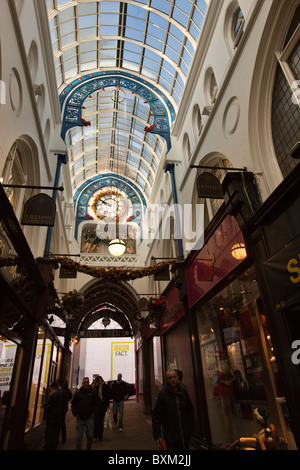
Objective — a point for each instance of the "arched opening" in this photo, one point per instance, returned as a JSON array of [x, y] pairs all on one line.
[[103, 333]]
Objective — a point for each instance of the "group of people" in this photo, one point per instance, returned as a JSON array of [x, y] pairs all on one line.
[[89, 405], [172, 416]]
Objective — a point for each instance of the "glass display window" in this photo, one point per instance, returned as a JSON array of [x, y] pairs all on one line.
[[8, 359], [234, 368], [41, 373]]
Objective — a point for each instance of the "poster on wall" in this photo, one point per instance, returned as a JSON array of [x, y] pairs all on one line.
[[122, 360], [8, 351]]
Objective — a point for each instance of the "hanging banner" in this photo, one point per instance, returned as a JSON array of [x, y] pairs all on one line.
[[39, 210], [283, 274]]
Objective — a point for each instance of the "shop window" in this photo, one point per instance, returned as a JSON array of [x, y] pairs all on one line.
[[39, 380], [211, 91], [197, 120], [187, 146], [235, 372], [8, 354]]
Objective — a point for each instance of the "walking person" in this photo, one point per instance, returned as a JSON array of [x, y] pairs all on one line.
[[63, 386], [102, 390], [83, 408], [54, 413], [174, 413], [119, 392]]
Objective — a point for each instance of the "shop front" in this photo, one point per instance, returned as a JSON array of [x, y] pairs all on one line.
[[272, 233], [30, 352], [236, 357]]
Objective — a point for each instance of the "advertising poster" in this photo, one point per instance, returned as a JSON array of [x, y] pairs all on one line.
[[122, 360]]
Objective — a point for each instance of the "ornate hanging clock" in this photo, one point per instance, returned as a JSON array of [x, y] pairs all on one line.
[[110, 204]]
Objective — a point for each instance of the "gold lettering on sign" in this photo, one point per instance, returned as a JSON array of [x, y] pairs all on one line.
[[292, 267]]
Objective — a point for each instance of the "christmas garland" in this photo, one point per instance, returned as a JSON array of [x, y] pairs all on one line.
[[103, 273], [115, 273]]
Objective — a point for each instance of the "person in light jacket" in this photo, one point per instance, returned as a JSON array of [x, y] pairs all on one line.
[[174, 413]]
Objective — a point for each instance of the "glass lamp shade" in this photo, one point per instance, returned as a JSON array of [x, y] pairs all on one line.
[[117, 247], [238, 251]]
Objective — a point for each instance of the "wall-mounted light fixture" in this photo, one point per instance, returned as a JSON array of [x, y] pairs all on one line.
[[238, 251]]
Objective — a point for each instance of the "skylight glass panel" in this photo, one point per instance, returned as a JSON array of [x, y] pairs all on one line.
[[159, 22], [140, 180], [163, 6], [184, 67], [67, 27], [140, 40], [87, 8], [153, 42], [109, 7], [62, 2]]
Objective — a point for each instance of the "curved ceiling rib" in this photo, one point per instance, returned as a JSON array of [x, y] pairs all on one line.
[[154, 40]]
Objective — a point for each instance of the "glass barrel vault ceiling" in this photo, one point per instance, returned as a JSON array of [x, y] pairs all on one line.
[[151, 39]]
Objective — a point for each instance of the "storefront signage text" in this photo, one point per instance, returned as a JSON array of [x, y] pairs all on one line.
[[39, 210], [283, 275]]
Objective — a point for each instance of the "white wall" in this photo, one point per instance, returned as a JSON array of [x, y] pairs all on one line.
[[107, 357]]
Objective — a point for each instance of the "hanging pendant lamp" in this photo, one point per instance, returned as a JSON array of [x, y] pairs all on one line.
[[117, 247]]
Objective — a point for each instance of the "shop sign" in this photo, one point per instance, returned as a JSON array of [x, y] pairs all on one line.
[[95, 333], [175, 309], [208, 186], [163, 275], [39, 210], [214, 261], [67, 273], [283, 274]]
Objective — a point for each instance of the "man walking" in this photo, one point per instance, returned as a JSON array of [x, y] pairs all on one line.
[[173, 412], [119, 391], [83, 407], [54, 413]]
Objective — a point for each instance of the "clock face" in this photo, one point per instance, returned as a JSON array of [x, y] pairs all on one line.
[[110, 204]]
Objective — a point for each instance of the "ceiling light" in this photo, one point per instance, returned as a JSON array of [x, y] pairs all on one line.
[[117, 247]]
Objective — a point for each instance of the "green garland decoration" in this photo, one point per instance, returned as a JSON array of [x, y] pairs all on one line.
[[115, 273], [102, 273]]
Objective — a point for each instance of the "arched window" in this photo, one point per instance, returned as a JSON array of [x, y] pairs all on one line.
[[186, 146], [237, 27], [286, 99]]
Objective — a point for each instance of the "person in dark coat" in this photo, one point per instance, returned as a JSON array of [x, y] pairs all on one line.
[[102, 390], [63, 385], [119, 392], [54, 412], [174, 413], [83, 407]]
